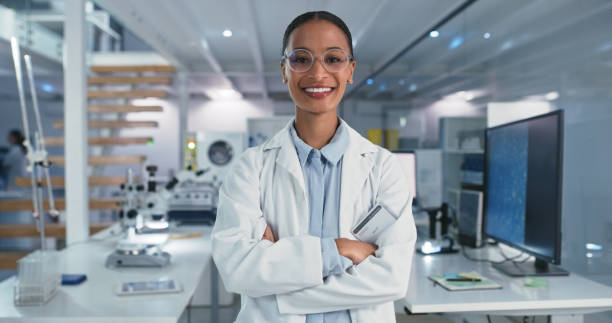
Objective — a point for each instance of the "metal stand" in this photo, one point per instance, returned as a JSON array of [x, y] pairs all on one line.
[[37, 156]]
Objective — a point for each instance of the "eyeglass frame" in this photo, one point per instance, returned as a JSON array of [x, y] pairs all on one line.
[[349, 56]]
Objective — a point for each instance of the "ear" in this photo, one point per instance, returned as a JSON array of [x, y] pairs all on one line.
[[283, 71], [352, 66]]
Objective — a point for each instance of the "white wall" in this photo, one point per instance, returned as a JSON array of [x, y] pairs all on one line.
[[230, 116], [363, 115]]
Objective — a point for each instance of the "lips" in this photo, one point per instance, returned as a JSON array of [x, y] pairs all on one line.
[[318, 92]]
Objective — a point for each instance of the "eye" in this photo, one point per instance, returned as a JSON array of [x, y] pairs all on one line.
[[333, 59]]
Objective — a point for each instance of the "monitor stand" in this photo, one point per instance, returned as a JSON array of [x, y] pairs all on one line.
[[539, 268]]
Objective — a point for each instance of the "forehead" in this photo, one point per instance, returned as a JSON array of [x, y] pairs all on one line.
[[318, 35]]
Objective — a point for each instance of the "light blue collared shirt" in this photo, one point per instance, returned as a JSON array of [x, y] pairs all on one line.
[[322, 171]]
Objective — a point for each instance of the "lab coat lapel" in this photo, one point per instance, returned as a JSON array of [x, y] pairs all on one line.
[[287, 156], [356, 167]]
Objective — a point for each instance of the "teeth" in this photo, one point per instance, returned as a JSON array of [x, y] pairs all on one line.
[[317, 89]]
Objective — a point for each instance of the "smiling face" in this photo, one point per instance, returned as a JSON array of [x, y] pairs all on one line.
[[317, 91]]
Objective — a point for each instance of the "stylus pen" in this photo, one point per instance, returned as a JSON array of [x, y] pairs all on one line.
[[463, 279]]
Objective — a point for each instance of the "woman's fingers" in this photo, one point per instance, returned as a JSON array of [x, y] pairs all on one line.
[[356, 251], [268, 234]]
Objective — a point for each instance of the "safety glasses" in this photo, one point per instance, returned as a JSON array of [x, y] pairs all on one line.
[[301, 60]]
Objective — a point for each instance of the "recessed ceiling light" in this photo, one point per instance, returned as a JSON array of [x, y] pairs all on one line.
[[47, 87], [227, 33], [551, 96], [486, 36], [434, 34], [370, 81]]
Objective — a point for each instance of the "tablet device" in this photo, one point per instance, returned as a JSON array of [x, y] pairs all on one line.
[[160, 286], [377, 220]]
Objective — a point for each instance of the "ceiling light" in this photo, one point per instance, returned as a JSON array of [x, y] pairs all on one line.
[[456, 42], [223, 94], [434, 34], [227, 33], [593, 246], [413, 87], [486, 35], [47, 87], [370, 81], [551, 96], [382, 87]]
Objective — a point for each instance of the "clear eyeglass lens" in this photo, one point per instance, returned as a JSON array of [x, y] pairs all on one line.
[[334, 60]]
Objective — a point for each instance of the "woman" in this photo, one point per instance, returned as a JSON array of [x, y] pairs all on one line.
[[283, 233], [15, 162]]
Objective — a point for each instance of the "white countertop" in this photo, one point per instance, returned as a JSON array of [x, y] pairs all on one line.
[[95, 300], [563, 295]]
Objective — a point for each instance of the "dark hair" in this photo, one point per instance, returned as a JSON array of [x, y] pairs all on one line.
[[16, 133], [317, 15]]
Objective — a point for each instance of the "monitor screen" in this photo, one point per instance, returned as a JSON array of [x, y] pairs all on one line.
[[407, 161], [523, 167]]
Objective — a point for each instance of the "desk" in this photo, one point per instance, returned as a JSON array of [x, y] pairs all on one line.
[[95, 299], [566, 299]]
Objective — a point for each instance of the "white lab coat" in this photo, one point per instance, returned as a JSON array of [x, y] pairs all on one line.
[[282, 281]]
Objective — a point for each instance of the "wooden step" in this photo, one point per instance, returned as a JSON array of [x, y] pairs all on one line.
[[128, 80], [8, 259], [123, 108], [132, 68], [103, 141], [105, 94], [53, 230], [59, 181], [103, 160], [59, 124], [60, 204]]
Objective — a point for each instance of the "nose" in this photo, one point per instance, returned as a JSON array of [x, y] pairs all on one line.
[[317, 70]]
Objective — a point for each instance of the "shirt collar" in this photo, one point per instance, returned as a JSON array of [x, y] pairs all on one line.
[[332, 152]]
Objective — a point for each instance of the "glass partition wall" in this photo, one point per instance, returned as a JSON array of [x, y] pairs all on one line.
[[508, 60]]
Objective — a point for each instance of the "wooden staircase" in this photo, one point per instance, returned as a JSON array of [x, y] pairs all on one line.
[[104, 105]]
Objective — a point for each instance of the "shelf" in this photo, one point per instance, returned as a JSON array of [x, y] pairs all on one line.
[[107, 94], [103, 141], [60, 204], [53, 230], [132, 68], [103, 160], [128, 80], [59, 181], [463, 151], [123, 108], [102, 124]]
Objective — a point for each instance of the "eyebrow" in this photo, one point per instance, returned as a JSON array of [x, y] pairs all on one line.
[[306, 48]]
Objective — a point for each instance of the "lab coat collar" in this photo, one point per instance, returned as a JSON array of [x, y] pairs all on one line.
[[357, 144], [356, 167]]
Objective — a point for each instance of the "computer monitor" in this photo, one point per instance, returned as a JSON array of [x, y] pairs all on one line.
[[523, 173], [407, 162]]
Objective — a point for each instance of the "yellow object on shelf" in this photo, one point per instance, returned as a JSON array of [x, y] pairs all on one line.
[[375, 136], [391, 139]]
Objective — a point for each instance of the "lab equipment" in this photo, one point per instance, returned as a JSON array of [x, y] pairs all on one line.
[[428, 178], [523, 175], [214, 151], [137, 255], [38, 278], [407, 160], [160, 286], [38, 165], [470, 218]]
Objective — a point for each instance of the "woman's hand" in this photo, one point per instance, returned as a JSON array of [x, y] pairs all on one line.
[[356, 251], [268, 235]]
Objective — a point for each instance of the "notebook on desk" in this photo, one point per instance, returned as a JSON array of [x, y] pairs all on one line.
[[453, 285]]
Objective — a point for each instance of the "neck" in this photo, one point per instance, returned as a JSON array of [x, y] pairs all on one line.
[[316, 130]]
